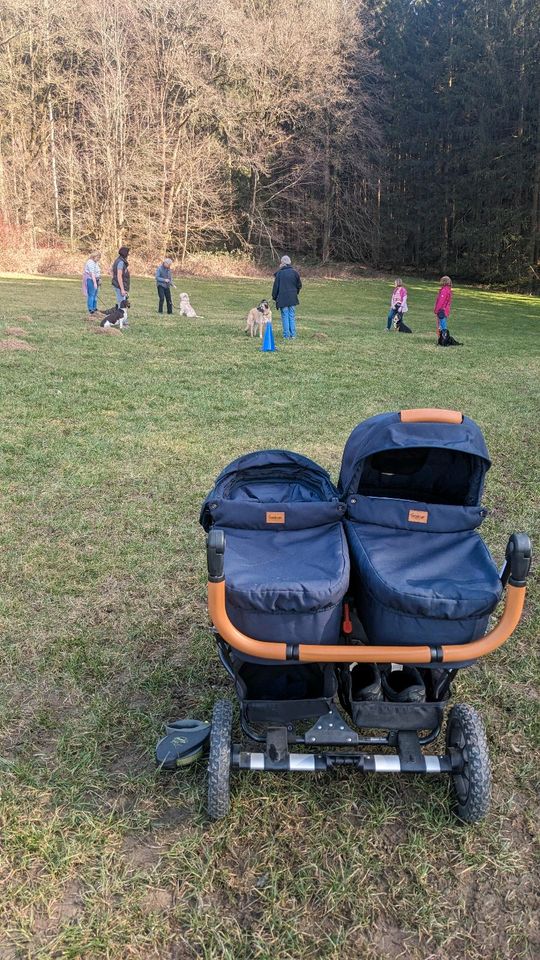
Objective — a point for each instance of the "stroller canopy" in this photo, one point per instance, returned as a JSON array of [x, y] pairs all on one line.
[[286, 557], [267, 477], [442, 463], [421, 572]]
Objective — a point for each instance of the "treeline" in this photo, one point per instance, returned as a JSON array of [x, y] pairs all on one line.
[[397, 133], [460, 186], [187, 124]]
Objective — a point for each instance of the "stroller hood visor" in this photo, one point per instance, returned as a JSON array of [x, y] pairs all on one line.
[[269, 477], [431, 462]]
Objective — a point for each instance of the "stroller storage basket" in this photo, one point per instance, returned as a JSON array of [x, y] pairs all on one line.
[[421, 572], [287, 561], [277, 694]]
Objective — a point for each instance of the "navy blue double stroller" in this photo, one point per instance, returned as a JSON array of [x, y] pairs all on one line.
[[371, 596]]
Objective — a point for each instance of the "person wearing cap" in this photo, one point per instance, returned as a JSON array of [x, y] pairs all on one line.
[[287, 286], [164, 283]]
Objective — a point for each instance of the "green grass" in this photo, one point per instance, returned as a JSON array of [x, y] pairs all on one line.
[[109, 444]]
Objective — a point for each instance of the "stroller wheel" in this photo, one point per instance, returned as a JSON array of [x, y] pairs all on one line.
[[471, 781], [219, 761]]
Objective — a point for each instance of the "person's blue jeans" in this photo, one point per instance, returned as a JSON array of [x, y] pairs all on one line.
[[119, 295], [288, 319], [91, 295], [442, 320]]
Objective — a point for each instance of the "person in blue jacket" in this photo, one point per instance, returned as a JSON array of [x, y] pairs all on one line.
[[164, 282], [287, 286]]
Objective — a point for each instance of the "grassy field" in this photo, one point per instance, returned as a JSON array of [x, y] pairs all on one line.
[[109, 444]]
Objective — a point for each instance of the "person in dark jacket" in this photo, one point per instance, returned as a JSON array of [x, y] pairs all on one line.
[[120, 275], [287, 286], [164, 282]]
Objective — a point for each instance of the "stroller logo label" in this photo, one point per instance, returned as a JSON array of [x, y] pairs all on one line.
[[275, 517], [418, 516]]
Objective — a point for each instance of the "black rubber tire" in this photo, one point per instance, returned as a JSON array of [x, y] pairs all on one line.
[[219, 760], [471, 787]]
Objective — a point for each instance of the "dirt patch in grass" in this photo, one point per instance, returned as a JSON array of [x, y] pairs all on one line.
[[24, 318], [15, 331], [13, 344], [141, 855], [109, 330], [157, 900]]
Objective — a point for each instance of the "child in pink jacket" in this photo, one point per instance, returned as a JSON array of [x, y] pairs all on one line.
[[443, 304], [398, 304]]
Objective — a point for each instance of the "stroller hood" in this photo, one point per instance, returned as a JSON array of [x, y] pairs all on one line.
[[433, 462], [271, 477]]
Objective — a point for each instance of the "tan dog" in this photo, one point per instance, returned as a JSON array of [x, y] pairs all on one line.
[[257, 319]]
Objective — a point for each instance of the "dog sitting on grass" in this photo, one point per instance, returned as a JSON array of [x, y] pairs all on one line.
[[186, 310], [116, 316], [257, 319]]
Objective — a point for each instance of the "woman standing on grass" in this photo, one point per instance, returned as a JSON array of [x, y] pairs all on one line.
[[91, 280], [120, 275], [443, 304]]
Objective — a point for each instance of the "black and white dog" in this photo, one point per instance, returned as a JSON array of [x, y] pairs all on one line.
[[116, 316]]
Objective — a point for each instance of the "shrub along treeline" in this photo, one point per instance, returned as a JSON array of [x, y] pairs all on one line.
[[392, 132]]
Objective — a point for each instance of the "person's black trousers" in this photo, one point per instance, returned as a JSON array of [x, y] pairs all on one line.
[[164, 293]]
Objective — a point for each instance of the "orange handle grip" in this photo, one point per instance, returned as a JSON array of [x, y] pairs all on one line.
[[430, 415], [312, 653]]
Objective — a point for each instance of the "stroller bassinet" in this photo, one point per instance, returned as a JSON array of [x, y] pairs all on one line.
[[421, 572], [287, 562]]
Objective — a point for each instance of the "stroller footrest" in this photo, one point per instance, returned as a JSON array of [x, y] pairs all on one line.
[[331, 729]]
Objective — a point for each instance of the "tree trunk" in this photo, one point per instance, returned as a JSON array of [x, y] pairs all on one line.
[[328, 187], [254, 180], [186, 229], [534, 241]]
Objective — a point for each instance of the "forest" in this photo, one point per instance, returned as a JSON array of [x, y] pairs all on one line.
[[400, 134]]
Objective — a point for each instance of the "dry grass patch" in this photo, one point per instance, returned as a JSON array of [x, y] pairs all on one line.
[[16, 331], [12, 343]]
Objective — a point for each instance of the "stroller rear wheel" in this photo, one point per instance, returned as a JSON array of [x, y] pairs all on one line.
[[219, 761], [471, 781]]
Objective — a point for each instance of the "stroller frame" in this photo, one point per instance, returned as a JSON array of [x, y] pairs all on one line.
[[466, 757], [406, 727]]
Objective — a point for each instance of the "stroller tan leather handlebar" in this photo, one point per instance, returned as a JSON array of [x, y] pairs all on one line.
[[518, 561], [430, 415]]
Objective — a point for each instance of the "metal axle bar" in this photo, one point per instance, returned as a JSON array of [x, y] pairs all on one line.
[[364, 762]]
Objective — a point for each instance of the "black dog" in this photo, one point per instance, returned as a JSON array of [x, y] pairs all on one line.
[[445, 340], [402, 327]]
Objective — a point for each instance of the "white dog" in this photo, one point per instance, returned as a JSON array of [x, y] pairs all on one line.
[[257, 319], [186, 310]]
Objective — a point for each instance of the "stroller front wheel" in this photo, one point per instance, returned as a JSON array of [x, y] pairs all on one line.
[[471, 781], [219, 760]]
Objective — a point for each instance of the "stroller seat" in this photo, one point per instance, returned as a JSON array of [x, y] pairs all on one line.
[[421, 572], [286, 559]]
